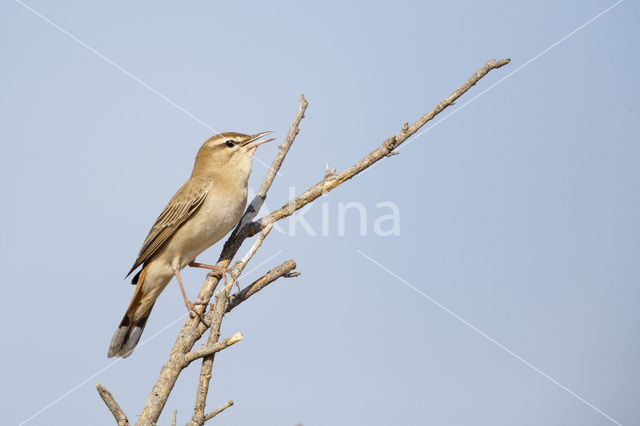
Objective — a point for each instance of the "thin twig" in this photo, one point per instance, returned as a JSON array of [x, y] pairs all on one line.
[[384, 150], [283, 270], [254, 248], [212, 348], [283, 149], [112, 405], [218, 410], [175, 418]]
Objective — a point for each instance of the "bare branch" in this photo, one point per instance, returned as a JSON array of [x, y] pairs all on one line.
[[215, 316], [254, 248], [283, 149], [283, 270], [233, 243], [175, 418], [218, 410], [112, 405], [214, 319], [212, 348], [332, 180]]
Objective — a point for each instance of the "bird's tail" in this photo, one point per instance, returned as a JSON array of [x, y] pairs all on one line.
[[130, 329]]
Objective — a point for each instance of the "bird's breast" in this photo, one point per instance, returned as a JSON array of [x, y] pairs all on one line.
[[220, 214]]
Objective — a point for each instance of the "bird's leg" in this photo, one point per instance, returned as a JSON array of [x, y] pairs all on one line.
[[219, 270], [188, 304], [215, 269]]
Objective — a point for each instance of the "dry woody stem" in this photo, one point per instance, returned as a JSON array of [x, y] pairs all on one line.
[[112, 405], [332, 179], [218, 410], [212, 348], [284, 270], [193, 329]]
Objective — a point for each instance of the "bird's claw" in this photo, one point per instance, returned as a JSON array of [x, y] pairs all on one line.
[[192, 310]]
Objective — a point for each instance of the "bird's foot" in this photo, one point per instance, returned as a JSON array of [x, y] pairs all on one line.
[[192, 310]]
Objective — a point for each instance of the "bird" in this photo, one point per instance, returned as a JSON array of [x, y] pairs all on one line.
[[201, 212]]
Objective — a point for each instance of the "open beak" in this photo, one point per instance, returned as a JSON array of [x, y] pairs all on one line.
[[253, 142]]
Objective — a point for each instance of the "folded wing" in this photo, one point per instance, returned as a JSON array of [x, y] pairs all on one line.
[[183, 204]]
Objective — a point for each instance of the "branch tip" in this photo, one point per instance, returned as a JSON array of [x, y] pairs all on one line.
[[211, 348], [279, 271], [218, 410], [112, 405]]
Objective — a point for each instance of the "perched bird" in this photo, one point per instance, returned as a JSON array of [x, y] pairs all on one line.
[[203, 211]]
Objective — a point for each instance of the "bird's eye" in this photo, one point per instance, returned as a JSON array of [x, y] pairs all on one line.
[[230, 143]]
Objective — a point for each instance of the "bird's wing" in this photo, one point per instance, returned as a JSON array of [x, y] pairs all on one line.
[[183, 204]]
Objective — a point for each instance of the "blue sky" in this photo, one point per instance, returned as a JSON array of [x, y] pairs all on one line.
[[510, 295]]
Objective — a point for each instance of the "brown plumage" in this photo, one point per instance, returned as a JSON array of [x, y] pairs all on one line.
[[203, 211]]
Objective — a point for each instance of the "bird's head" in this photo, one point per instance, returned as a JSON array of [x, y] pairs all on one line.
[[229, 154]]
